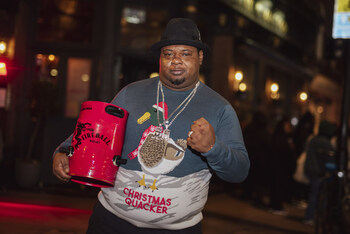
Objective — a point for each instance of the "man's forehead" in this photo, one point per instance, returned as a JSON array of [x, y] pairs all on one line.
[[179, 47]]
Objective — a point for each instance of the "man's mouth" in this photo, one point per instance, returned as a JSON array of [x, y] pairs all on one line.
[[177, 72]]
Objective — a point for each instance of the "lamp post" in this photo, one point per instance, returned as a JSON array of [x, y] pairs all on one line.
[[341, 29], [343, 142]]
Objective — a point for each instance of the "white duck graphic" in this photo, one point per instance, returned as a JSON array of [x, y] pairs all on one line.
[[157, 155]]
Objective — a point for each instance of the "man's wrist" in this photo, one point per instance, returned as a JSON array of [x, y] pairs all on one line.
[[211, 146]]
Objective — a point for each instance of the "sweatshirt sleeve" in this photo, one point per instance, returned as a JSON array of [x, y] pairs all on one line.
[[229, 157], [65, 144]]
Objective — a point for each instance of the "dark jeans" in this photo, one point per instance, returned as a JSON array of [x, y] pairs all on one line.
[[104, 222]]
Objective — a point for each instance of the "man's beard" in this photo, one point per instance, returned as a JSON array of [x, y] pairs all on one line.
[[177, 81]]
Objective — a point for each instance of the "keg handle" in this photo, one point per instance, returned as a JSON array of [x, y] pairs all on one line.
[[115, 111], [118, 160], [68, 151]]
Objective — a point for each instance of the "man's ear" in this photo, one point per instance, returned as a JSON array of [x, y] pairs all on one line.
[[201, 56]]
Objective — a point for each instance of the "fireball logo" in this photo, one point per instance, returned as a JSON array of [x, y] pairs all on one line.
[[96, 137], [81, 127]]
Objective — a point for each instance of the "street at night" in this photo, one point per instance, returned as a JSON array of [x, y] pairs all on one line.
[[47, 213]]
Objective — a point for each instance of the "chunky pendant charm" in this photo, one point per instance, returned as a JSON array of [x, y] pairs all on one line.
[[152, 150], [158, 131], [166, 134]]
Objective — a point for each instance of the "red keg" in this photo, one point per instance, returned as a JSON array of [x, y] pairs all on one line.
[[97, 144]]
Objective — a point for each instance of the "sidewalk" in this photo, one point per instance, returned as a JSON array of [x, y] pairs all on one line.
[[52, 213], [225, 215]]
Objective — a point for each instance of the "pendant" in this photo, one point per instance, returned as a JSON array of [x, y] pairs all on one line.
[[162, 134], [166, 134], [158, 131], [153, 149]]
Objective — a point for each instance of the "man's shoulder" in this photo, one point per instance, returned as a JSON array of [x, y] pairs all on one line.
[[136, 89], [211, 94], [142, 83]]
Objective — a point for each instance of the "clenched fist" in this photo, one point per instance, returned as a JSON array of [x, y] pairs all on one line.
[[202, 136]]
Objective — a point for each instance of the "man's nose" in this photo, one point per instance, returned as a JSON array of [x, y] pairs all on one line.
[[176, 59]]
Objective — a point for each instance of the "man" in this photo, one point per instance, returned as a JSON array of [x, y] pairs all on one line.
[[163, 187]]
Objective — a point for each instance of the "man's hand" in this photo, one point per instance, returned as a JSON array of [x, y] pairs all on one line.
[[202, 136], [60, 167]]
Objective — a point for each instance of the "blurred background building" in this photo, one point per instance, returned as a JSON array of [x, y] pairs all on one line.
[[275, 56]]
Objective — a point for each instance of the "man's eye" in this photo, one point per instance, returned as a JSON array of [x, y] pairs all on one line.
[[167, 54]]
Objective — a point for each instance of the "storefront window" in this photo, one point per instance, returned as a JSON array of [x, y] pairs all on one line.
[[78, 85], [66, 21], [43, 89], [141, 27], [47, 68]]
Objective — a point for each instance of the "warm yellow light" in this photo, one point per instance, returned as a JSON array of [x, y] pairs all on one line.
[[191, 9], [239, 76], [153, 74], [319, 109], [3, 69], [54, 72], [274, 87], [275, 95], [202, 78], [85, 78], [51, 57], [303, 96], [242, 87], [2, 47]]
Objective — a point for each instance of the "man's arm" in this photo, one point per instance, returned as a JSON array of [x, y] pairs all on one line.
[[224, 148]]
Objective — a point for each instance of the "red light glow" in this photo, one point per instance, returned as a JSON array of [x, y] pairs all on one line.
[[37, 212]]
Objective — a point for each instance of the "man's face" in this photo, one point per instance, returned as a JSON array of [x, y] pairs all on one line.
[[179, 66]]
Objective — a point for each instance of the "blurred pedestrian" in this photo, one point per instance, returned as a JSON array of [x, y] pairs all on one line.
[[282, 163], [256, 137], [319, 154], [303, 132]]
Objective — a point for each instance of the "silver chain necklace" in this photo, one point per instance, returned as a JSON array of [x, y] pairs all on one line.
[[167, 122]]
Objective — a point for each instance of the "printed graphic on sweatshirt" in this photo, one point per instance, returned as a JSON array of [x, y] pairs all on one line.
[[150, 197], [157, 155], [177, 200]]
